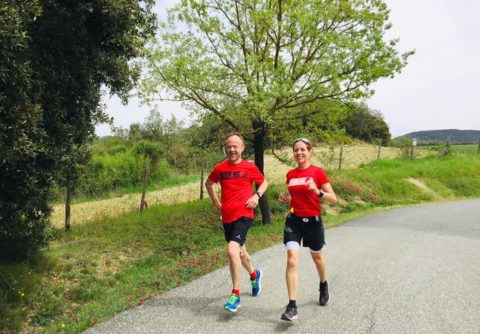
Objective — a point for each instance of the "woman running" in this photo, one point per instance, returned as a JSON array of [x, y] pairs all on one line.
[[307, 186]]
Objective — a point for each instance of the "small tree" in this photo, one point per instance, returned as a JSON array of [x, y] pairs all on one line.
[[72, 166], [404, 144], [150, 154], [259, 64]]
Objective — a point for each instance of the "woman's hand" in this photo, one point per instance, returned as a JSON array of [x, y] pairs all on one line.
[[312, 186], [283, 198]]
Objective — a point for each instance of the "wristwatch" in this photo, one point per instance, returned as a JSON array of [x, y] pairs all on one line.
[[321, 193], [259, 194]]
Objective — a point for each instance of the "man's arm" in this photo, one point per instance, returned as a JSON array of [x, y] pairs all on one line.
[[263, 187], [213, 195], [252, 202]]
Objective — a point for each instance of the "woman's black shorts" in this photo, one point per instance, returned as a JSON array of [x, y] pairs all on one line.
[[308, 229]]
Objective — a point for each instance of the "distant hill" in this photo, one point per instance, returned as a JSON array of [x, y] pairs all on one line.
[[455, 136]]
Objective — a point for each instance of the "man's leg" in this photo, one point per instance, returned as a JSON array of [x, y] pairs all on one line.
[[233, 252], [255, 274], [246, 260]]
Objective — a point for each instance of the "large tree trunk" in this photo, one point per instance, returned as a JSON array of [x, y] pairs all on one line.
[[259, 147]]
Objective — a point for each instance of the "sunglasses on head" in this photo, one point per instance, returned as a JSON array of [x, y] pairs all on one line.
[[304, 140]]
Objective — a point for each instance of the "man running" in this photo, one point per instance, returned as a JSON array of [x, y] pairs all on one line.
[[236, 177]]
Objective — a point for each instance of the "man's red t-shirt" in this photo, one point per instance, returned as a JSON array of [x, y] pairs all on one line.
[[236, 181], [305, 203]]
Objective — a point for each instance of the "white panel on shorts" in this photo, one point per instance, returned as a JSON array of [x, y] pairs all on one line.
[[292, 245]]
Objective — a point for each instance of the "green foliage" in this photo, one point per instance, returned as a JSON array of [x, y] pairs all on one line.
[[445, 149], [147, 149], [55, 58], [323, 126], [465, 149], [384, 182], [20, 283], [264, 66], [102, 268], [24, 158], [120, 170], [441, 136], [365, 124], [405, 145]]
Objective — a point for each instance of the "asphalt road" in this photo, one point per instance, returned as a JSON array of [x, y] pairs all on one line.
[[408, 270]]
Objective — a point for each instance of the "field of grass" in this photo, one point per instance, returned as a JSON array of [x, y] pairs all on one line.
[[188, 188], [465, 149], [110, 264], [353, 156], [84, 212]]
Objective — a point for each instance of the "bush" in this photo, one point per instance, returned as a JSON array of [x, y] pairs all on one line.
[[122, 169], [19, 287], [24, 209], [404, 144]]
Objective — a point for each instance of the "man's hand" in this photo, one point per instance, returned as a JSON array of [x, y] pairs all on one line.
[[252, 202]]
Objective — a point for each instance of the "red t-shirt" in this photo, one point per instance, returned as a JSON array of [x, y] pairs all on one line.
[[305, 203], [236, 181]]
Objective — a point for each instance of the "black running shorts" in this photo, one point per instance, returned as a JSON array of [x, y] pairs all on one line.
[[308, 229], [237, 230]]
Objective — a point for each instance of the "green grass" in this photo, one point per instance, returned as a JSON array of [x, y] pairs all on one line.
[[465, 149], [384, 182], [101, 268]]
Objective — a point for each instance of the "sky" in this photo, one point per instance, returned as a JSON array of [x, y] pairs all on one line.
[[438, 89]]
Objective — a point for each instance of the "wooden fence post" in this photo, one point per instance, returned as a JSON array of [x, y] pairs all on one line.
[[379, 147], [341, 158], [201, 178], [414, 143], [143, 202], [448, 148], [201, 183], [194, 163], [68, 202]]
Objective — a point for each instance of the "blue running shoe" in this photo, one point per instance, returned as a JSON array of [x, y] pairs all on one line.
[[257, 283], [233, 303]]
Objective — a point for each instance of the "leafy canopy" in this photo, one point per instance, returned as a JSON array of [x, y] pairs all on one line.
[[260, 64]]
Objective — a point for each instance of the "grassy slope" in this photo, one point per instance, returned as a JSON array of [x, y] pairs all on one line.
[[106, 266]]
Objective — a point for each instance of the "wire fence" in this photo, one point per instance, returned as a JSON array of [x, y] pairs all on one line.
[[329, 157]]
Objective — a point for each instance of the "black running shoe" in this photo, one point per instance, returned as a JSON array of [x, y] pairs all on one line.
[[290, 314], [324, 295]]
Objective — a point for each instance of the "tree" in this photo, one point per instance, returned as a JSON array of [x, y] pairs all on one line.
[[261, 64], [150, 153], [366, 124], [63, 52], [24, 161], [69, 175]]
